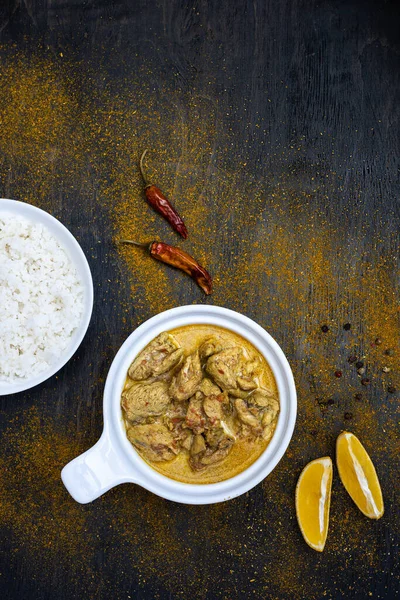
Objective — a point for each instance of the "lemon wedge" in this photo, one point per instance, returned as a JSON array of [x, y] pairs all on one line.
[[358, 475], [313, 499]]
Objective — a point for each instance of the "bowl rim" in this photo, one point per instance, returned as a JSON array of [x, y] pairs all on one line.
[[78, 258], [189, 493]]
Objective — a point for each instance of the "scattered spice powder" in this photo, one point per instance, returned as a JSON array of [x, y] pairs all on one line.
[[160, 288], [34, 504], [275, 234]]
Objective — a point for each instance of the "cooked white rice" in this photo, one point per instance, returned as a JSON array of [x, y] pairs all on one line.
[[41, 299]]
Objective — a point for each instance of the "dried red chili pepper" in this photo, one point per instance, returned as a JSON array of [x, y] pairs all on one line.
[[175, 257], [161, 204]]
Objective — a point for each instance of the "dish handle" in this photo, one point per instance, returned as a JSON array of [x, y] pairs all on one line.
[[95, 471]]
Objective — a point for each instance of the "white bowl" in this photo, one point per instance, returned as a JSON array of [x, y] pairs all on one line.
[[74, 251], [113, 460]]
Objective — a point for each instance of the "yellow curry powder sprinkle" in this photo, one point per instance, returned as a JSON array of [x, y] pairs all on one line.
[[292, 268], [179, 164], [145, 529]]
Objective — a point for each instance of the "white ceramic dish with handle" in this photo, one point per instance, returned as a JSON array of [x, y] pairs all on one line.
[[75, 253], [113, 460]]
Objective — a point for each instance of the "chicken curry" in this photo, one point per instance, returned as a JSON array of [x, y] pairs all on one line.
[[200, 404]]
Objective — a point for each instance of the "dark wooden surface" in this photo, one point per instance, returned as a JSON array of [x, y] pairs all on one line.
[[276, 126]]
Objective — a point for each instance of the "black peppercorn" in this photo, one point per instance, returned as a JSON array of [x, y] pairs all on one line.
[[358, 396], [365, 381], [359, 364], [325, 328], [347, 326], [348, 416], [352, 359], [391, 389], [331, 401]]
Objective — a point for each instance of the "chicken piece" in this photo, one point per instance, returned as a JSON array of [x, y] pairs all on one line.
[[238, 393], [198, 445], [160, 356], [154, 441], [214, 437], [246, 431], [246, 383], [195, 416], [251, 368], [128, 384], [176, 412], [187, 441], [267, 433], [209, 347], [264, 398], [230, 428], [211, 455], [208, 387], [212, 406], [247, 374], [223, 367], [145, 400], [189, 377], [217, 456], [246, 416], [271, 412]]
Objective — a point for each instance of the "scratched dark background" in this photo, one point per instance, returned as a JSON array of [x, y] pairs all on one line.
[[290, 117]]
